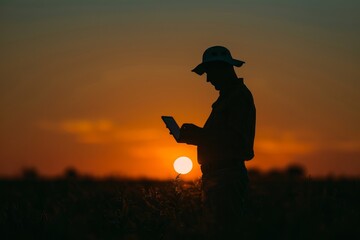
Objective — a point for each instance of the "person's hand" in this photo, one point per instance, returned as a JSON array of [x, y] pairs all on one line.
[[189, 133], [189, 127]]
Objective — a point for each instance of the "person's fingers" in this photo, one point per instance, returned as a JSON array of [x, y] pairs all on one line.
[[187, 126]]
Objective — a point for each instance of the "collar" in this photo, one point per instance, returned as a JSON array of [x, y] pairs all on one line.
[[232, 87], [228, 91]]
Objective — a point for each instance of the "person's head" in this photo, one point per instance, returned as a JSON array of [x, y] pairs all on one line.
[[218, 65], [219, 73]]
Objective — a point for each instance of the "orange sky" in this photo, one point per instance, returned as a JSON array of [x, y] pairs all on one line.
[[84, 83]]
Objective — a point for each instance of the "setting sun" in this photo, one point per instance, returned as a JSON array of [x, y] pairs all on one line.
[[183, 165]]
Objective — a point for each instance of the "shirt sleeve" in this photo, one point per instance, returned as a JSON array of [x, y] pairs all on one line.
[[232, 131]]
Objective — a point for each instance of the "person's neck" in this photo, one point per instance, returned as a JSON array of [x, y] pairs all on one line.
[[229, 84], [232, 77]]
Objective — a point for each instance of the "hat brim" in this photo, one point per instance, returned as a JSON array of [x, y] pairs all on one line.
[[201, 68]]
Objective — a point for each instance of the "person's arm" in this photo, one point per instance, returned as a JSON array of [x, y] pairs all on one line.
[[232, 129], [227, 132], [224, 132], [191, 134]]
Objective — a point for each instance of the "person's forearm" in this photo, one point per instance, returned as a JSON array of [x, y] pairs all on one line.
[[194, 137]]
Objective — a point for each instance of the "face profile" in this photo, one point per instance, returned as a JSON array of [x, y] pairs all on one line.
[[218, 73]]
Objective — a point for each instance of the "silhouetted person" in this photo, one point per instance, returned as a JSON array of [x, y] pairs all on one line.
[[225, 141]]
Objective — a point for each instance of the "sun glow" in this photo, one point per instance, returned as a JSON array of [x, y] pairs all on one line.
[[183, 165]]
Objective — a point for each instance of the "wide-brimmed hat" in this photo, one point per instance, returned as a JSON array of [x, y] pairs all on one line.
[[216, 53]]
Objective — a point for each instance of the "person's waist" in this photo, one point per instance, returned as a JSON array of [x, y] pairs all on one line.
[[213, 166]]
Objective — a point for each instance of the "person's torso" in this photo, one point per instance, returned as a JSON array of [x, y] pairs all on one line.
[[233, 113]]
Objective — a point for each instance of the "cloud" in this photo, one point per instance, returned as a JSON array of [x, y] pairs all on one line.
[[319, 153], [285, 142], [283, 146], [335, 161], [99, 131], [296, 142]]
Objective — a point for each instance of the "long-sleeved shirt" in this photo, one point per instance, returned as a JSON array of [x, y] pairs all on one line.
[[229, 132]]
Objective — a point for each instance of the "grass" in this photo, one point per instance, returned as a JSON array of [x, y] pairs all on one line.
[[278, 207]]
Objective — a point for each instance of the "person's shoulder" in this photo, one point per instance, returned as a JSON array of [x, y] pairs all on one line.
[[241, 89], [242, 93]]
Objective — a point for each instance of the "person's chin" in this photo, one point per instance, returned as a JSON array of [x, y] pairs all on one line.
[[216, 86]]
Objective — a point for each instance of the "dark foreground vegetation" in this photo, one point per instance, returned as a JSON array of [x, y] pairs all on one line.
[[280, 205]]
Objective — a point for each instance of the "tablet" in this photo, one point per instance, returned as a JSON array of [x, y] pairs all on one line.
[[172, 126]]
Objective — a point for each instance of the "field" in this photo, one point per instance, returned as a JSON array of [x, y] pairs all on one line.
[[279, 206]]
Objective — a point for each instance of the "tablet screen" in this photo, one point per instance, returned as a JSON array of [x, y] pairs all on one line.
[[172, 126]]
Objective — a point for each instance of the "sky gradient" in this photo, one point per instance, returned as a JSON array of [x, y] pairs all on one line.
[[84, 83]]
